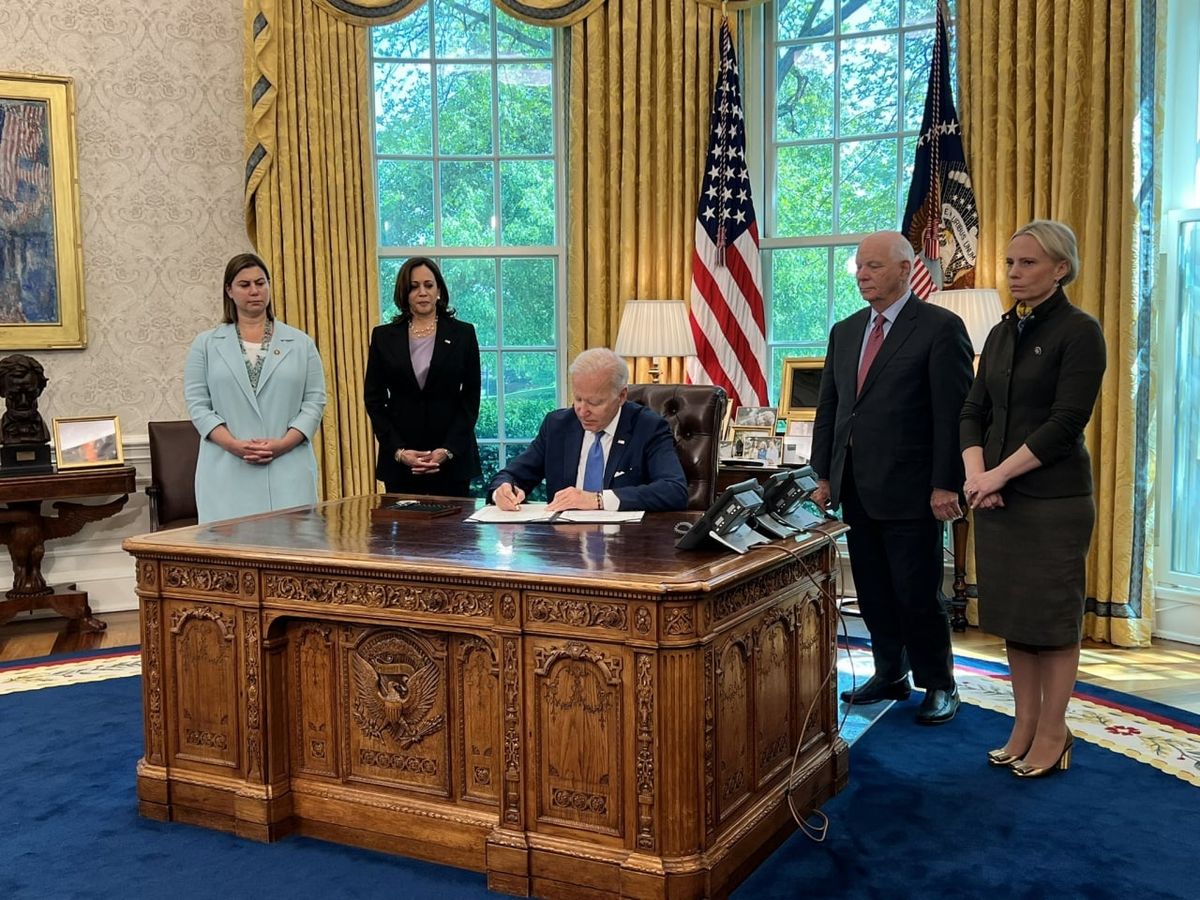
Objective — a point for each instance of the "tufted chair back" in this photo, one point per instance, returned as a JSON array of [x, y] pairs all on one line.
[[174, 448], [695, 413]]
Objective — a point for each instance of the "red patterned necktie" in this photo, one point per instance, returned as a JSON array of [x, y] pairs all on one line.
[[874, 342]]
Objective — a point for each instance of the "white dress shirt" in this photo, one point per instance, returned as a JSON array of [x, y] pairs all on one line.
[[610, 498]]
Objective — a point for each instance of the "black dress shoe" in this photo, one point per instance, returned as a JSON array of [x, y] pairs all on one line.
[[875, 689], [939, 705]]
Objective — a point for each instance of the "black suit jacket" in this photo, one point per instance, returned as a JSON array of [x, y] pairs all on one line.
[[1038, 390], [904, 425], [442, 414]]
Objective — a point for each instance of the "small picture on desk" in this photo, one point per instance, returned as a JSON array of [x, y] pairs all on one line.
[[87, 441], [767, 449], [755, 416]]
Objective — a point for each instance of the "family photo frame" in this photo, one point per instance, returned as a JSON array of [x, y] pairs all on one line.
[[41, 248], [85, 441]]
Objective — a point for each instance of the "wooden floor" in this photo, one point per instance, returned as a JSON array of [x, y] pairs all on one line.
[[1168, 672]]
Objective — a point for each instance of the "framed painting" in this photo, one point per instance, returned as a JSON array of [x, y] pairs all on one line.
[[800, 388], [86, 441], [41, 249]]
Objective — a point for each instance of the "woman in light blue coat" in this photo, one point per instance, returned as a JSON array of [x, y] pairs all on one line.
[[256, 392]]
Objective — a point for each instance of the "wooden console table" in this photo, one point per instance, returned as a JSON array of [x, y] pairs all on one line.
[[25, 530], [576, 710]]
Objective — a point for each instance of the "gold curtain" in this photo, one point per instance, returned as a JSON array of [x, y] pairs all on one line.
[[309, 205], [641, 81], [1050, 94]]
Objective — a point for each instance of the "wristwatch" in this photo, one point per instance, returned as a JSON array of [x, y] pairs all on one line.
[[399, 450], [449, 455]]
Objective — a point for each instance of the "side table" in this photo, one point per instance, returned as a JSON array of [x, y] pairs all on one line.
[[25, 531]]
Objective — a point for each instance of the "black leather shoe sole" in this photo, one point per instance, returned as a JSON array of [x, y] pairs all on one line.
[[897, 690]]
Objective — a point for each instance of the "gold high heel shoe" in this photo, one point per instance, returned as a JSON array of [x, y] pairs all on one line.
[[1001, 757], [1022, 769]]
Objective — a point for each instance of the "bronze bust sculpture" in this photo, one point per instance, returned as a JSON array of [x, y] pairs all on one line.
[[22, 381]]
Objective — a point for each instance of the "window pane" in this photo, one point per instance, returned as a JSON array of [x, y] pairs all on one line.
[[465, 110], [803, 18], [472, 284], [846, 298], [526, 109], [487, 426], [804, 94], [1185, 479], [918, 12], [405, 203], [489, 461], [463, 27], [799, 289], [403, 125], [870, 16], [527, 294], [527, 203], [389, 267], [529, 392], [867, 186], [804, 192], [408, 38], [918, 51], [870, 84], [468, 207], [517, 38]]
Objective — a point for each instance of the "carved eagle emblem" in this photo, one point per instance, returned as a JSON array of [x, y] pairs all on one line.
[[393, 694]]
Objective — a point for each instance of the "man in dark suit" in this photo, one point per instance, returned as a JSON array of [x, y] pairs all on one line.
[[885, 448], [628, 460]]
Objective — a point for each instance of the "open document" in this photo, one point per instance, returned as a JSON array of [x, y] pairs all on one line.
[[536, 512]]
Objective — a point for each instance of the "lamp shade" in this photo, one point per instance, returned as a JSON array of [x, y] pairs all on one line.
[[979, 308], [654, 328]]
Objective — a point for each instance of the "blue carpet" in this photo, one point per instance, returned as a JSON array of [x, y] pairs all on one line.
[[923, 815]]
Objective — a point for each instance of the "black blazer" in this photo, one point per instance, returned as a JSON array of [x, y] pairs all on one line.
[[904, 426], [1038, 390], [443, 414]]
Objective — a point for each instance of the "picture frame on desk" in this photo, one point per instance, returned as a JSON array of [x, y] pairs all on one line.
[[82, 442], [800, 387], [41, 296]]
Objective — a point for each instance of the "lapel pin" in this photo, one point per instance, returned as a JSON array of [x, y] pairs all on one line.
[[1037, 351], [276, 351], [445, 340], [620, 441], [618, 474]]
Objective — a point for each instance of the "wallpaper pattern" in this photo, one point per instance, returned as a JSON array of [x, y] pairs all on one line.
[[158, 92]]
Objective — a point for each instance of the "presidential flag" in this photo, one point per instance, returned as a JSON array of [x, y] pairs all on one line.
[[727, 317], [940, 218]]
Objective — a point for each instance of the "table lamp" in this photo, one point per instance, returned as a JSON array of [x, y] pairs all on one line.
[[980, 310], [654, 328]]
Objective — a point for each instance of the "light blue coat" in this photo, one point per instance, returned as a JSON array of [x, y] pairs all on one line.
[[291, 394]]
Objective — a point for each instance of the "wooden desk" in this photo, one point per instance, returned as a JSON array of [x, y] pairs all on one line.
[[577, 710], [25, 530]]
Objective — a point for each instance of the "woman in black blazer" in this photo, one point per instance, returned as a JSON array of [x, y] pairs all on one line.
[[422, 389], [1029, 480]]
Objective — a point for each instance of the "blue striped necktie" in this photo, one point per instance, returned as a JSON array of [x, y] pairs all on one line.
[[593, 470]]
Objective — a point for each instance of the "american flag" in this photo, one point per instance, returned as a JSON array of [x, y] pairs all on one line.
[[23, 153], [727, 318], [940, 218]]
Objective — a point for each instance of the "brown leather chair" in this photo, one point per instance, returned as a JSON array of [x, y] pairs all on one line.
[[695, 413], [174, 448]]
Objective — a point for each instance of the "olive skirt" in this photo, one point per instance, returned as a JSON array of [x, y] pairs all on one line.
[[1031, 568]]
